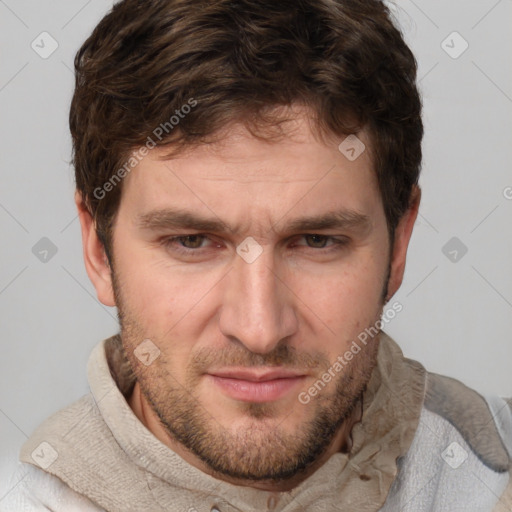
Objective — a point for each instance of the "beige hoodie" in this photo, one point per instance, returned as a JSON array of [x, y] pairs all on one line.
[[96, 455]]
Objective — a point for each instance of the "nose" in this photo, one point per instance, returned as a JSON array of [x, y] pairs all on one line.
[[257, 304]]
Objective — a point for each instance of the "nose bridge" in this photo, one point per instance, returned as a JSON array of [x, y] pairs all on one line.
[[259, 282], [256, 309]]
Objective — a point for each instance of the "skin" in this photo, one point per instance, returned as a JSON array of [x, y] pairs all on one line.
[[298, 306]]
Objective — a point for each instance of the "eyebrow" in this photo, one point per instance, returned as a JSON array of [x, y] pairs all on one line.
[[171, 218]]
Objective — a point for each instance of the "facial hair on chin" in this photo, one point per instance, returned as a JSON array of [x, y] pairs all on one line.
[[261, 451]]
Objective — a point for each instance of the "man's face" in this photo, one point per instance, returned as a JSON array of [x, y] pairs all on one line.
[[245, 325]]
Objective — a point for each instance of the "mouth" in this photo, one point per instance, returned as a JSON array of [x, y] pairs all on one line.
[[256, 385]]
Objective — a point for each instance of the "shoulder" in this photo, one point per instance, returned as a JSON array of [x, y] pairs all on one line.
[[53, 456], [59, 434], [485, 423], [35, 490], [460, 457]]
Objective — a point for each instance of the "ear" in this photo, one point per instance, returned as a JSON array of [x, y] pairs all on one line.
[[403, 234], [95, 258]]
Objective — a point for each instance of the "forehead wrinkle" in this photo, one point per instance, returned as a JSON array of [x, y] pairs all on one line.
[[261, 180]]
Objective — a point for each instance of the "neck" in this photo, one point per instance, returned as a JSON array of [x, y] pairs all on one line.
[[342, 442]]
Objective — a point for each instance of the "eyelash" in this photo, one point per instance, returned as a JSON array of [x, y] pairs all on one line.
[[169, 243]]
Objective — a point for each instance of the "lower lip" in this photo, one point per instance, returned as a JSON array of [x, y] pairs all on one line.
[[250, 391]]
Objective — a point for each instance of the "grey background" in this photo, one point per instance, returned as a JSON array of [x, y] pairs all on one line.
[[456, 316]]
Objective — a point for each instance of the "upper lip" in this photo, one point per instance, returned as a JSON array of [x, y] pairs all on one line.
[[256, 375]]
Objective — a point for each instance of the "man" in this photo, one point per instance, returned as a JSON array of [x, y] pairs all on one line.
[[247, 185]]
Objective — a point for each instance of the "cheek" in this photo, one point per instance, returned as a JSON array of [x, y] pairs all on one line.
[[345, 301], [345, 286], [168, 301]]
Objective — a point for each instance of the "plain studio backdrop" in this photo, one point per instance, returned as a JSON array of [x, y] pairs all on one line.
[[457, 293]]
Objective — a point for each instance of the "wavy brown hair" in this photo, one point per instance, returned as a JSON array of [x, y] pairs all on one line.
[[239, 59]]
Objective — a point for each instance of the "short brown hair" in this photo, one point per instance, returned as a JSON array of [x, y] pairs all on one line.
[[236, 60]]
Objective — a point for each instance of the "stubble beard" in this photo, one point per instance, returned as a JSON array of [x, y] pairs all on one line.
[[261, 450]]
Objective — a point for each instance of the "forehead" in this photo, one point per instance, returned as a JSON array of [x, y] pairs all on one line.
[[294, 136], [239, 170]]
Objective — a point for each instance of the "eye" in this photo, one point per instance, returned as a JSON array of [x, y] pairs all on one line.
[[191, 241], [192, 245], [316, 241]]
